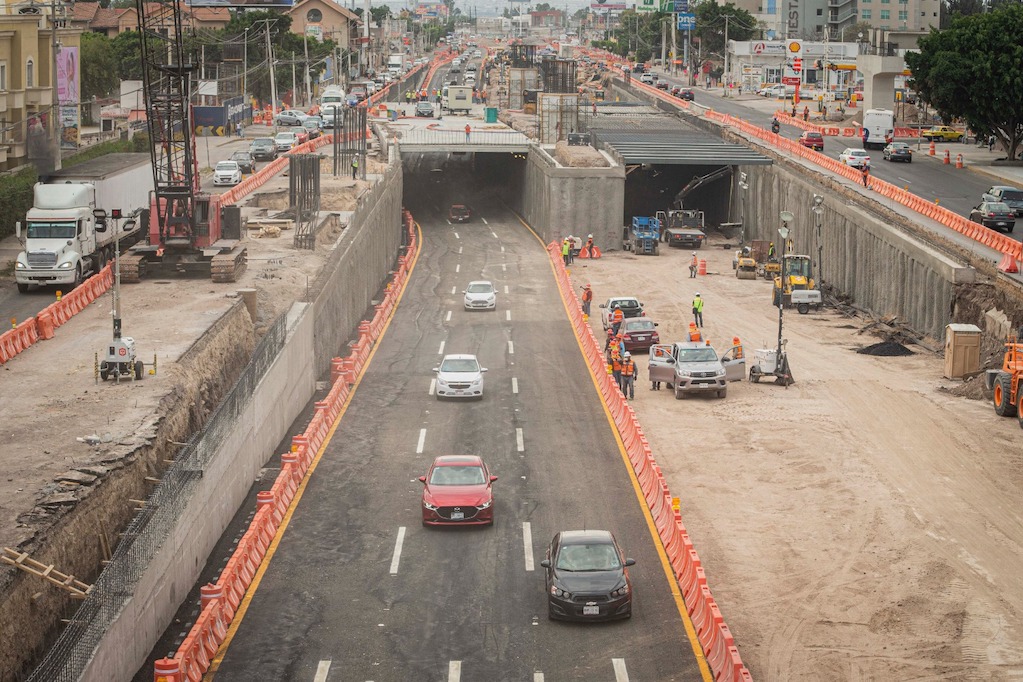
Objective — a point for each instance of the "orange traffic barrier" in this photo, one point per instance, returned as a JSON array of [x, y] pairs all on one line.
[[703, 267], [931, 150], [1008, 264], [959, 160], [947, 158]]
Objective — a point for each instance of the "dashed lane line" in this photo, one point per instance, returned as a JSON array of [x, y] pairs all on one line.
[[519, 446], [321, 671], [396, 557], [527, 544], [440, 351], [447, 318], [422, 441], [454, 671], [621, 674], [433, 386], [515, 385], [511, 348]]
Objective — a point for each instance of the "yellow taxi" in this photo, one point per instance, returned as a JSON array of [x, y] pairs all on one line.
[[943, 134]]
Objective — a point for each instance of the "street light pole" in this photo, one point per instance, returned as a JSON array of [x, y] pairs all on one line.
[[818, 215], [743, 185], [782, 365]]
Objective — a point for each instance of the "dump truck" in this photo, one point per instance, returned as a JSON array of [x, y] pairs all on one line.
[[68, 234], [682, 228]]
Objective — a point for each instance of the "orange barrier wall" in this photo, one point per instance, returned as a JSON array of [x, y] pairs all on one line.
[[715, 639], [220, 599]]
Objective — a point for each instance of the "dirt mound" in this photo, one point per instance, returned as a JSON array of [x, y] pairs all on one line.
[[971, 388], [888, 349], [579, 156]]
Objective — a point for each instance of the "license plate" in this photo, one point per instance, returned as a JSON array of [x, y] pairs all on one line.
[[457, 516], [591, 610]]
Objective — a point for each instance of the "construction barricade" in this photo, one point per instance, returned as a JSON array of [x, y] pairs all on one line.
[[715, 639], [220, 600]]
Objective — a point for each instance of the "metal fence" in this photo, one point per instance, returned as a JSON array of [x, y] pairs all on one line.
[[148, 530]]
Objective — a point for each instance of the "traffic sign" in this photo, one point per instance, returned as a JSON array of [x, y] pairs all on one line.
[[797, 64], [686, 21], [681, 5]]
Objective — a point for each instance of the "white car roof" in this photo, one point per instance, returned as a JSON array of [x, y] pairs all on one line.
[[459, 356]]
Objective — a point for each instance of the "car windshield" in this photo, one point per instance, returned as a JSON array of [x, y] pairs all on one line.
[[1012, 195], [625, 303], [639, 325], [285, 136], [312, 122], [998, 208], [590, 557], [240, 156], [697, 355], [227, 166], [480, 288], [41, 230], [457, 475], [459, 210], [900, 146], [460, 365], [262, 142]]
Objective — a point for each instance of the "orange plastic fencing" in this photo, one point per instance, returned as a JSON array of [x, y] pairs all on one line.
[[715, 639], [219, 600]]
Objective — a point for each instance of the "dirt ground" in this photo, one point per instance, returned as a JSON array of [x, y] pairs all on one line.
[[862, 524]]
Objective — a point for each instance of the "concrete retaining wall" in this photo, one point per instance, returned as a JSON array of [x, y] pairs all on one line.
[[558, 201], [878, 266]]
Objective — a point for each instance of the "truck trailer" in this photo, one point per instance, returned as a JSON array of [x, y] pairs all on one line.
[[65, 234]]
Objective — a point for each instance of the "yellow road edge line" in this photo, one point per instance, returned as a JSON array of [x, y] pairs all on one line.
[[701, 659], [243, 606]]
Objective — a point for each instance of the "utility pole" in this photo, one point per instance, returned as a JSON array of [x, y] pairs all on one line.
[[664, 45], [294, 83], [273, 77], [308, 80], [56, 133], [245, 69], [725, 50], [364, 53]]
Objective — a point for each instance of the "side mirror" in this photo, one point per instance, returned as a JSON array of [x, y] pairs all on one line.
[[493, 478], [17, 229], [101, 226], [546, 563], [483, 369], [436, 369], [422, 479], [630, 562], [656, 325], [602, 305]]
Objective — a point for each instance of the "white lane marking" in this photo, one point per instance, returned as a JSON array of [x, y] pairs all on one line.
[[454, 671], [454, 290], [456, 234], [507, 315], [504, 267], [459, 249], [493, 233], [422, 441], [484, 220], [519, 446], [321, 671], [527, 544], [502, 249], [447, 318], [447, 221], [433, 386], [537, 677], [621, 674], [511, 348], [515, 385], [397, 550], [506, 288], [440, 351], [908, 182], [458, 267]]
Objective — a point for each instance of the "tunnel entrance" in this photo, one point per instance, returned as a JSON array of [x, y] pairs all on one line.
[[433, 182]]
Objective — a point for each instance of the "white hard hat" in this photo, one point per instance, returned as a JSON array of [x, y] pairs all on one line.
[[697, 293], [589, 235], [694, 253], [628, 354]]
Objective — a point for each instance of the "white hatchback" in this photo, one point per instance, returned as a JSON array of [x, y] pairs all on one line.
[[459, 376], [480, 295], [227, 173]]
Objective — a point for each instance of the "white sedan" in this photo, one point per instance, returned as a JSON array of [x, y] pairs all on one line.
[[857, 158], [459, 376], [480, 295], [227, 173]]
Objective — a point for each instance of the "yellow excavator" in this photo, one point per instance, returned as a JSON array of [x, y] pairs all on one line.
[[794, 284]]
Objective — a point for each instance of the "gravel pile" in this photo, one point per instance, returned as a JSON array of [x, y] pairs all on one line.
[[888, 349]]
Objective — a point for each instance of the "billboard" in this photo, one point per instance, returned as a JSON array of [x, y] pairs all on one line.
[[614, 6], [68, 96]]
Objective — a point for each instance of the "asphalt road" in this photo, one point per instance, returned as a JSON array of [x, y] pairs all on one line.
[[957, 190], [344, 599]]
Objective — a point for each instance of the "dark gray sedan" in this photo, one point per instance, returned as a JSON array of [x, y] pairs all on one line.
[[994, 215], [1010, 196], [587, 577], [898, 151]]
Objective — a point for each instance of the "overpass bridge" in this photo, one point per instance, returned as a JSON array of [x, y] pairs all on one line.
[[427, 135]]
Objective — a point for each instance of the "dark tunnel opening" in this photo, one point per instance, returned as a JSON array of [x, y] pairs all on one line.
[[652, 188], [433, 182]]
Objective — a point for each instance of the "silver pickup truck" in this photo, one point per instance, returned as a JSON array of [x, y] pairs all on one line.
[[689, 367]]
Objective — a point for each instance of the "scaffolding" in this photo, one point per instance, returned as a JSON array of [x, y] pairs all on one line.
[[562, 114], [558, 75], [522, 56]]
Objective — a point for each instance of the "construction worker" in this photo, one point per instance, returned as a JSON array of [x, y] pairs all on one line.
[[738, 348], [865, 171], [587, 299], [566, 248], [770, 251], [660, 353], [617, 315], [616, 367], [628, 376], [693, 266], [468, 129], [609, 339], [355, 166], [806, 113], [571, 249], [698, 310], [408, 97], [694, 333]]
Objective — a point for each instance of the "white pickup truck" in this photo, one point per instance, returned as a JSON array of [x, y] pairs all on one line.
[[694, 367]]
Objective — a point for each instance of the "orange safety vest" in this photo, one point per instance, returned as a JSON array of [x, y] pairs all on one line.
[[617, 315], [695, 262], [628, 368], [588, 294], [616, 364], [738, 352], [694, 336]]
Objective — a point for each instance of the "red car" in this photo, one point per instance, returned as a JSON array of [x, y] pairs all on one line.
[[812, 140], [302, 135], [639, 333], [459, 213], [458, 490]]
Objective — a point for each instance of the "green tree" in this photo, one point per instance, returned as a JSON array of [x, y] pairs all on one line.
[[710, 25], [127, 47], [974, 70], [99, 66]]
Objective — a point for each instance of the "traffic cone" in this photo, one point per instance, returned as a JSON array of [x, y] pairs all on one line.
[[584, 252], [596, 252], [1008, 264]]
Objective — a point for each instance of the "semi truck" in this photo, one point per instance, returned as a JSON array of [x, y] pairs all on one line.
[[68, 233], [396, 64]]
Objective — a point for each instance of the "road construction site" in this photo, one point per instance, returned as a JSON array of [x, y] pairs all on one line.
[[852, 526]]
